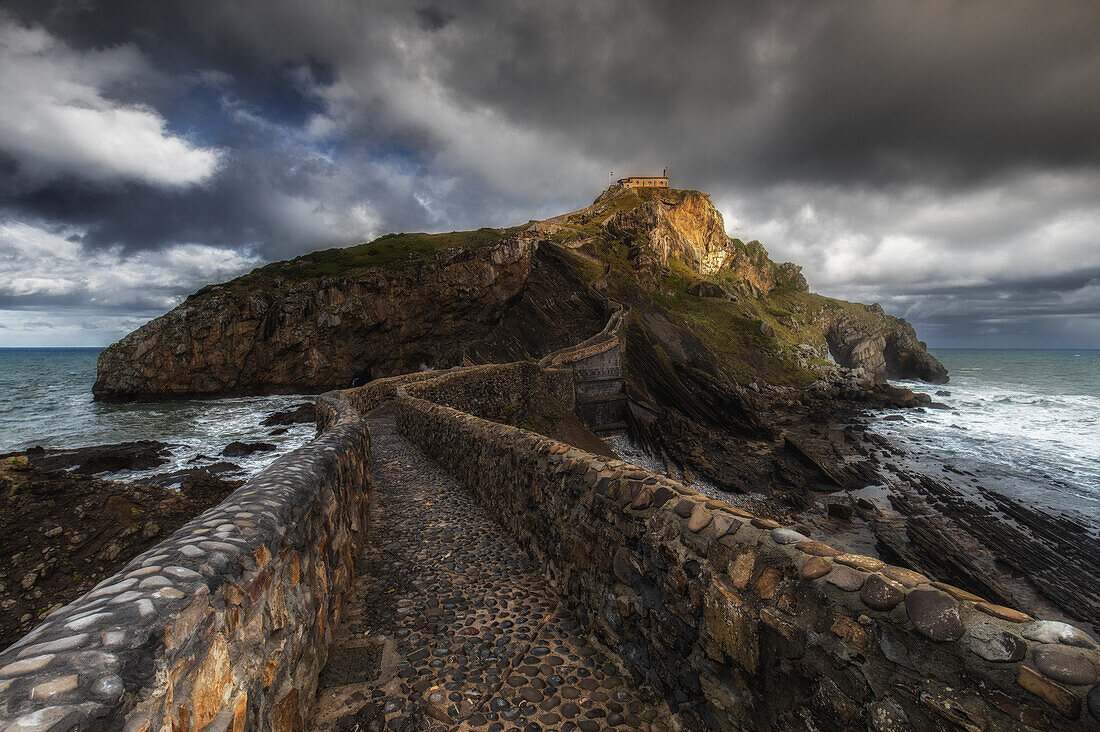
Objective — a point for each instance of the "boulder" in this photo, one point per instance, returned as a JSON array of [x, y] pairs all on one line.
[[708, 289], [138, 455], [301, 414], [240, 449]]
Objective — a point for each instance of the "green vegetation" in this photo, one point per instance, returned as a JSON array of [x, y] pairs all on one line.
[[732, 331], [391, 251]]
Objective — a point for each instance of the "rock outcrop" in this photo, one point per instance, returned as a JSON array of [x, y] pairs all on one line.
[[406, 302], [884, 346], [282, 336], [685, 226], [279, 334], [680, 225]]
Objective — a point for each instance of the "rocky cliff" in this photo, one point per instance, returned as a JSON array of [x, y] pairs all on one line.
[[278, 331], [883, 345], [405, 302]]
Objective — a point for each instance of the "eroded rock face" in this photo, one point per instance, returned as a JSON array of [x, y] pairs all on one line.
[[319, 333], [883, 345], [510, 298], [685, 226], [679, 225]]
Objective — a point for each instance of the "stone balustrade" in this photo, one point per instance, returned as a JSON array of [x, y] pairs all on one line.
[[743, 624], [226, 624]]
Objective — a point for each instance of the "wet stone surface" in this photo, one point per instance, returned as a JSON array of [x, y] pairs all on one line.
[[450, 628]]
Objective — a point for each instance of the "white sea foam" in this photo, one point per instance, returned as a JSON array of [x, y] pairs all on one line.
[[1026, 424], [45, 399]]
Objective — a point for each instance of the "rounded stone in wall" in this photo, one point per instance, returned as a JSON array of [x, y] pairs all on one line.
[[1064, 664], [934, 614], [989, 641]]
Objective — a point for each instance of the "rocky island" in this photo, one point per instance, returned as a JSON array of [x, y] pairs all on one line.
[[404, 302], [733, 373], [461, 546]]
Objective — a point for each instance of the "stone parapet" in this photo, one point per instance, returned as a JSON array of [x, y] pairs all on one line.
[[226, 624], [374, 394], [605, 340], [741, 623], [492, 391]]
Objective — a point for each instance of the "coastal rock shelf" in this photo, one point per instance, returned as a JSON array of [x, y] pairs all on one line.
[[733, 620]]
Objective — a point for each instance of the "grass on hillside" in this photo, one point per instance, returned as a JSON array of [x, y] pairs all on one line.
[[391, 251], [731, 330]]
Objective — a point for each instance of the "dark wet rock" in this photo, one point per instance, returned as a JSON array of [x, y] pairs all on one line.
[[301, 414], [138, 455], [241, 449], [840, 510], [1064, 665], [893, 647], [64, 532], [993, 644], [934, 614], [530, 694], [196, 475], [886, 715], [879, 593]]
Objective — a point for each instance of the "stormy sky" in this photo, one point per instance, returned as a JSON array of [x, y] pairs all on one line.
[[942, 158]]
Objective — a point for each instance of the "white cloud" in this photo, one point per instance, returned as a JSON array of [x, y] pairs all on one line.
[[59, 120], [40, 264], [1031, 224], [65, 327]]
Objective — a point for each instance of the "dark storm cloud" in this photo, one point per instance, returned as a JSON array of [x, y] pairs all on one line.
[[927, 154]]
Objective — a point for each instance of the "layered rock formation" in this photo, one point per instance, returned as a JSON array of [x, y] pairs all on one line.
[[884, 346], [406, 302], [676, 225], [277, 334]]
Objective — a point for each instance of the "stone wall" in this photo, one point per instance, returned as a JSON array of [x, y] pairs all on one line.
[[601, 374], [737, 622], [743, 624], [226, 624], [493, 392], [374, 394], [598, 375]]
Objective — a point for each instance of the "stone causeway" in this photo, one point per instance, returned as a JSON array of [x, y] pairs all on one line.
[[420, 565]]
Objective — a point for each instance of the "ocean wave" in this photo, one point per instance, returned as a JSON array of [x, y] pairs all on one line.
[[1024, 440]]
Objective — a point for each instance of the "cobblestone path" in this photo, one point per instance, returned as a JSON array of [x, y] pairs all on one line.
[[450, 628]]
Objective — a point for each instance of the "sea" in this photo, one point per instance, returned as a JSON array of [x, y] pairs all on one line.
[[46, 400], [1026, 423]]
